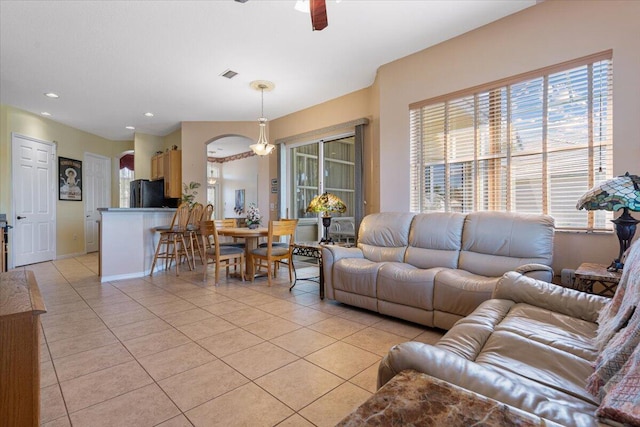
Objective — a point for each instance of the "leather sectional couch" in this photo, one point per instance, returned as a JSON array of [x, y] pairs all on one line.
[[436, 268], [563, 355]]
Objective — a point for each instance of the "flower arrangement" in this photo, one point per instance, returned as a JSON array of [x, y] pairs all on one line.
[[253, 216]]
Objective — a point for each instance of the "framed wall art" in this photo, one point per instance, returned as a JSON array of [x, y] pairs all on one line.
[[70, 179]]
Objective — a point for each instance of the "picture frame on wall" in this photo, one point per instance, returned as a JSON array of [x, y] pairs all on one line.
[[239, 202], [70, 179]]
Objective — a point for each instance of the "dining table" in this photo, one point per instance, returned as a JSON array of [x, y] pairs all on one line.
[[251, 237]]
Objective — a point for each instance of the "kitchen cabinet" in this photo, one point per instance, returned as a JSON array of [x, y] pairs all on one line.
[[168, 166]]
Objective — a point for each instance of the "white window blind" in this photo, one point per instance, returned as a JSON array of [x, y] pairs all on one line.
[[533, 143]]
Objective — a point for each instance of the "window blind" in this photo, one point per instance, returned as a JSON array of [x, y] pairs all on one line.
[[533, 143]]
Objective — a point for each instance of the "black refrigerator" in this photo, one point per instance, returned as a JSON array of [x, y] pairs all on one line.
[[146, 194]]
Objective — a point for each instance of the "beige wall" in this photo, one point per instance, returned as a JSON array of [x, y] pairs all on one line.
[[546, 34], [353, 106], [145, 147], [71, 143]]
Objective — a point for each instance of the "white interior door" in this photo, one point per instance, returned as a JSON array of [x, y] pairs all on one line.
[[34, 200], [97, 190]]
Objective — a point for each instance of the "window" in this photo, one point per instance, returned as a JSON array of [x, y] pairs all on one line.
[[533, 143], [126, 175]]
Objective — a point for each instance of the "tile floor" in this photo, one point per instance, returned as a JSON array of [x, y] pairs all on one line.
[[167, 351]]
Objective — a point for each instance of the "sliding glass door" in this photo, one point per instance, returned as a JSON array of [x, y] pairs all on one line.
[[316, 167]]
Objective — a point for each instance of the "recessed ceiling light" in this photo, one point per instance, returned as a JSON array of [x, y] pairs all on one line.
[[130, 127], [52, 95], [148, 114], [44, 113]]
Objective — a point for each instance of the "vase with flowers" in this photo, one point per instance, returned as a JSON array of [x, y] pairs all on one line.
[[253, 216]]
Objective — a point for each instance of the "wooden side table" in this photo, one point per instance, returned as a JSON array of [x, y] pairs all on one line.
[[595, 279]]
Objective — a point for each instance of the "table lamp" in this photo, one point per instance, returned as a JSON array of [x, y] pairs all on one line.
[[621, 192], [326, 203]]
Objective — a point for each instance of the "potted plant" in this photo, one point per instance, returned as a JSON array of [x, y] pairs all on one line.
[[253, 216], [189, 193]]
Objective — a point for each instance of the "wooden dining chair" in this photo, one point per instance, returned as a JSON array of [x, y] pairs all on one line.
[[229, 223], [192, 231], [271, 255], [222, 256], [172, 244]]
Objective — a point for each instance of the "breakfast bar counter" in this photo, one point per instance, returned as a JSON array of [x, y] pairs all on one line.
[[128, 240]]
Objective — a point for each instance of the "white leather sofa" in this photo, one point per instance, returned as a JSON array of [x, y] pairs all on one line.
[[436, 268]]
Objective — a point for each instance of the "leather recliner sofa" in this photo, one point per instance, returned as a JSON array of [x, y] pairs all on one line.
[[436, 268]]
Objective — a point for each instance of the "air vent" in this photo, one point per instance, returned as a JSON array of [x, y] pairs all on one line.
[[229, 73]]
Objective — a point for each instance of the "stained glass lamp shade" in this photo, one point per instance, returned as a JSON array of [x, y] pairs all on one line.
[[326, 203], [621, 192]]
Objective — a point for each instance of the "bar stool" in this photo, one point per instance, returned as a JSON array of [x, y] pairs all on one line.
[[172, 244]]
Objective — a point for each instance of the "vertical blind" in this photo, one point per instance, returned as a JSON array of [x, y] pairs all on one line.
[[532, 143]]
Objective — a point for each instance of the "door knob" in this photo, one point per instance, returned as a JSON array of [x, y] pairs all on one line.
[[21, 217]]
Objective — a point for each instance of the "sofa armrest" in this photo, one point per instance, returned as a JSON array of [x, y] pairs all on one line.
[[474, 377], [330, 255], [521, 289], [536, 271]]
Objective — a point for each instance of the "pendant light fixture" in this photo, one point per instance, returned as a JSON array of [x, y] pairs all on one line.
[[262, 147]]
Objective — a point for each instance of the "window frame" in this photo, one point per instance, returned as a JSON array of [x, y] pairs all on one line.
[[437, 109]]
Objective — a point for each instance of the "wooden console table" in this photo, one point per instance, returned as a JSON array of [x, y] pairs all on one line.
[[20, 308]]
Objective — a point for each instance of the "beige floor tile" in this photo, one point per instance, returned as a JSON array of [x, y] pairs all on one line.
[[399, 327], [61, 332], [194, 293], [146, 406], [205, 328], [259, 299], [259, 360], [198, 385], [66, 308], [365, 317], [203, 301], [229, 342], [299, 383], [306, 298], [162, 298], [335, 405], [96, 387], [97, 291], [51, 404], [171, 307], [140, 329], [295, 420], [50, 320], [303, 341], [343, 359], [60, 422], [175, 360], [79, 364], [182, 318], [279, 307], [331, 307], [179, 421], [47, 374], [108, 306], [367, 379], [81, 343], [121, 319], [430, 336], [246, 316], [375, 340], [248, 405], [337, 327], [271, 328], [305, 316], [155, 342], [220, 308]]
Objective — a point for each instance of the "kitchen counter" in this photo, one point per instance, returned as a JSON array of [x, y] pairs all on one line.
[[128, 240]]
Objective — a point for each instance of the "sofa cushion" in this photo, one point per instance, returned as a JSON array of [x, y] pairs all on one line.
[[496, 242], [435, 240], [356, 275], [460, 292], [385, 236], [405, 284]]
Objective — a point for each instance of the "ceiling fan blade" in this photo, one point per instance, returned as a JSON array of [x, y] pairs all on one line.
[[318, 10]]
